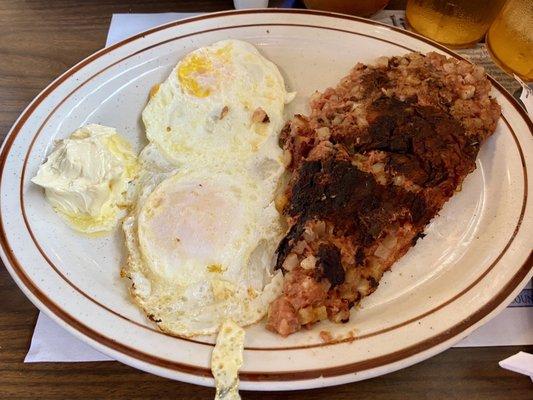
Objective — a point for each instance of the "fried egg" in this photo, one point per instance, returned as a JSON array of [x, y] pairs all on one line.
[[218, 106], [200, 248]]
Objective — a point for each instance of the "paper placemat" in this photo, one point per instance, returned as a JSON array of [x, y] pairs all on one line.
[[50, 342]]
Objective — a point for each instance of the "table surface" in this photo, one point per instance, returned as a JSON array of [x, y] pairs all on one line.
[[38, 41]]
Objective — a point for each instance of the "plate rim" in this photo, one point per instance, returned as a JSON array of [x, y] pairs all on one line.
[[9, 257]]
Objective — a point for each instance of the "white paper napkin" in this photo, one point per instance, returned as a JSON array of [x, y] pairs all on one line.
[[50, 342], [126, 25], [521, 362]]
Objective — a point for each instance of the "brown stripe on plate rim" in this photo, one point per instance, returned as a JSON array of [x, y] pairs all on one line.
[[404, 353]]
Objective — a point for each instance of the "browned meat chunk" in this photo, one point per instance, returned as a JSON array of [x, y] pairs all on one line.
[[259, 115], [283, 317]]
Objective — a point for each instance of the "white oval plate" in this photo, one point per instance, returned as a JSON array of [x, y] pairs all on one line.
[[473, 261]]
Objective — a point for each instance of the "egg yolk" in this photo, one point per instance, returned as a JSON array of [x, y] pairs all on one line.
[[198, 70], [184, 225], [190, 70]]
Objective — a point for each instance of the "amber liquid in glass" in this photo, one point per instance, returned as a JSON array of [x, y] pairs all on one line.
[[510, 38], [363, 8], [455, 23]]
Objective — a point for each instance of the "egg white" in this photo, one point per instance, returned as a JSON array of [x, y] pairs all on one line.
[[200, 249], [202, 113]]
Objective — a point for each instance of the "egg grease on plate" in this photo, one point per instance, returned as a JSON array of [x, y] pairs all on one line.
[[86, 178]]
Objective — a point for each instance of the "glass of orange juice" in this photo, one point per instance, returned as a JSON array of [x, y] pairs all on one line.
[[455, 23], [510, 38]]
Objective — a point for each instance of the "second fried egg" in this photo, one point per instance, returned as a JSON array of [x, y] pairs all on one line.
[[219, 104], [200, 249]]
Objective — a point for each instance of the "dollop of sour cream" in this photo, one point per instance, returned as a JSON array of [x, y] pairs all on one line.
[[86, 178]]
